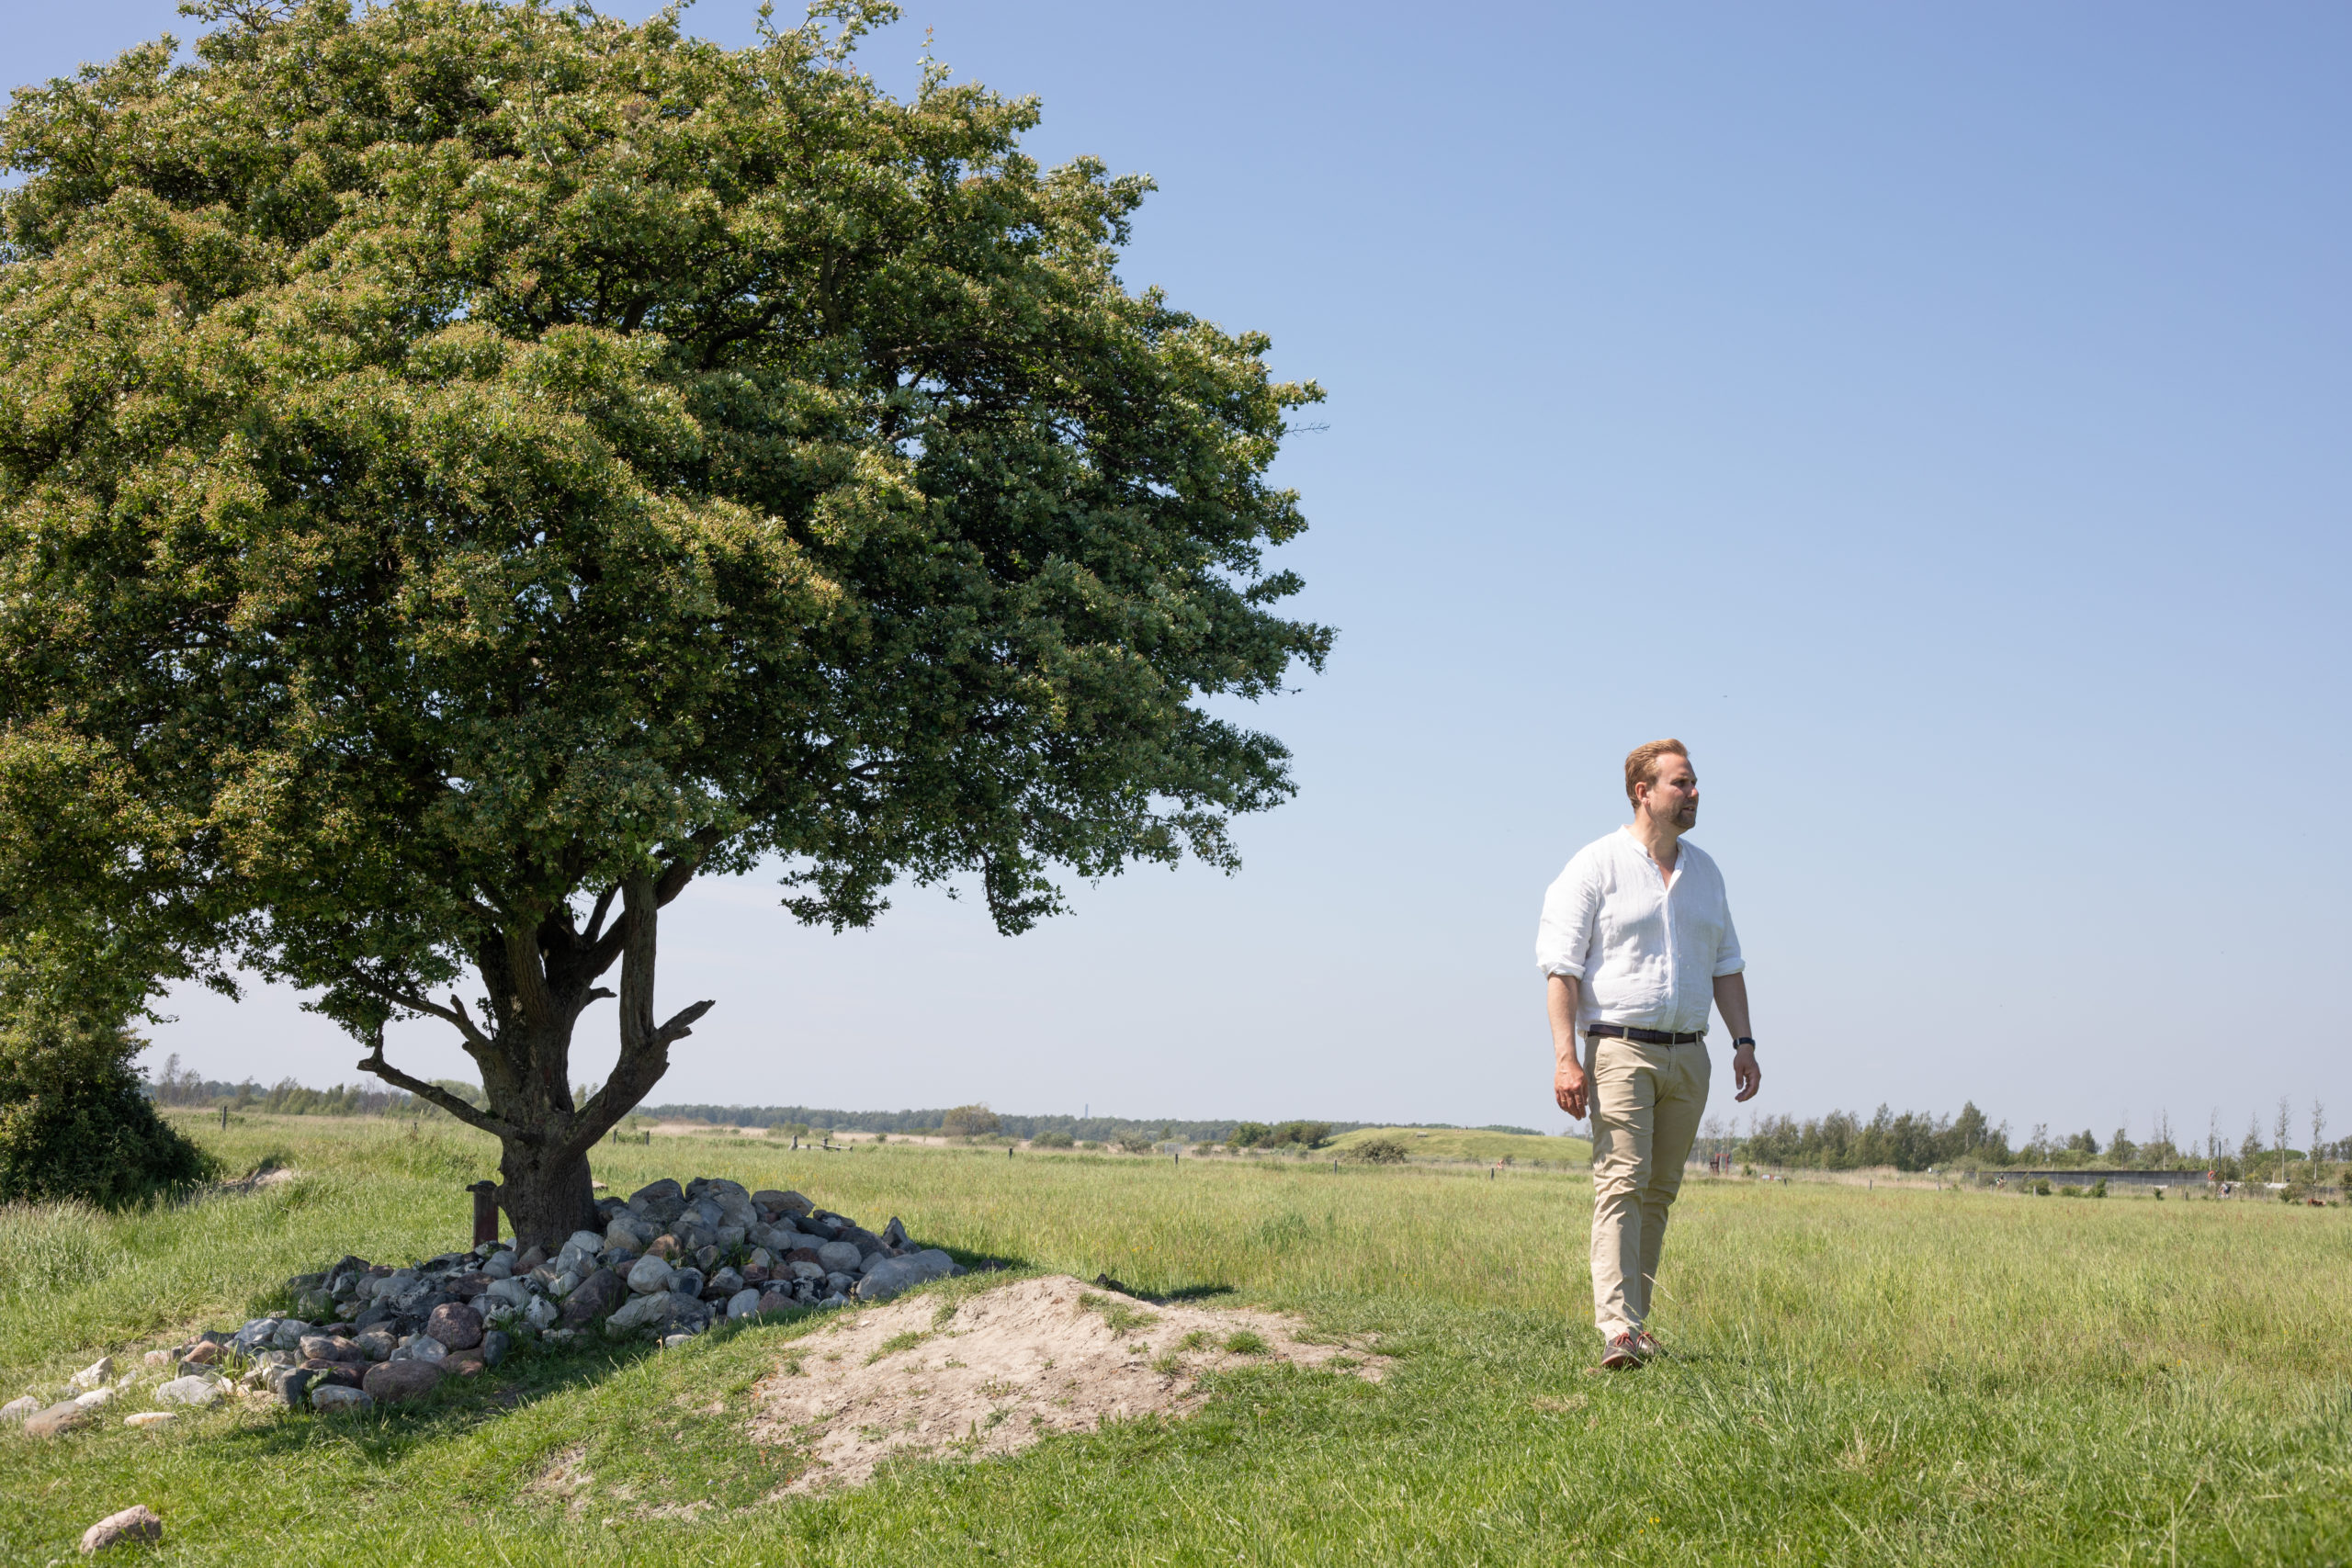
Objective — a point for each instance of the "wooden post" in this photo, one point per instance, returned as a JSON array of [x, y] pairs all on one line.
[[485, 1211]]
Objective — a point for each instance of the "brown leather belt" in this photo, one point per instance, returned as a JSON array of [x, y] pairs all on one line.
[[1644, 1036]]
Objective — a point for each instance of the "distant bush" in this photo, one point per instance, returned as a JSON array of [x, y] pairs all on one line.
[[1089, 1144], [75, 1120], [1380, 1151], [1051, 1141], [1138, 1142], [970, 1122], [1286, 1135]]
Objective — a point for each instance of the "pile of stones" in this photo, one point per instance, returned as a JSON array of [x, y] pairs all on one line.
[[672, 1261]]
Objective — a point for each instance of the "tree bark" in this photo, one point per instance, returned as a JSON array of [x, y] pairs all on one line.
[[546, 1199]]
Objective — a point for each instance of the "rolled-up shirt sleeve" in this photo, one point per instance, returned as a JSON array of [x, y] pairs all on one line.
[[1727, 958], [1564, 934]]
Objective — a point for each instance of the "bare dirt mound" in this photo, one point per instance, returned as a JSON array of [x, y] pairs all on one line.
[[996, 1371]]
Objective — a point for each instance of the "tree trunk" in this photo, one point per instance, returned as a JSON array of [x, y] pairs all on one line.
[[545, 1200], [538, 982]]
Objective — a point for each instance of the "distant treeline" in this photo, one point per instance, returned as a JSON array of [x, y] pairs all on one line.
[[1914, 1141], [1101, 1129], [174, 1086], [178, 1087]]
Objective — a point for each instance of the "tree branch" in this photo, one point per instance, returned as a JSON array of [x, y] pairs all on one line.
[[682, 1025], [633, 1076], [596, 916], [454, 1014], [435, 1094], [659, 891]]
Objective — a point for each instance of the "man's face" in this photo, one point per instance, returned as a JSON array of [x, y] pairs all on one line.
[[1675, 797]]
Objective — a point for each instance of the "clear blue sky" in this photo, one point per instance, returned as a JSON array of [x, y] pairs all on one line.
[[1936, 416]]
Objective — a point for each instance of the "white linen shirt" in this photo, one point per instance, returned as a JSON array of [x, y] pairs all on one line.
[[1645, 951]]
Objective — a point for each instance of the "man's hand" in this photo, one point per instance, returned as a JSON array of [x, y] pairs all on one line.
[[1745, 1073], [1570, 1088], [1731, 1000], [1570, 1085]]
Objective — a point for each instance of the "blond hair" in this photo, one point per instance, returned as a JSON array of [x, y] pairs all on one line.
[[1641, 764]]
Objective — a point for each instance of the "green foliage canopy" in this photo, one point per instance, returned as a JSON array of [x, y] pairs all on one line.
[[466, 470]]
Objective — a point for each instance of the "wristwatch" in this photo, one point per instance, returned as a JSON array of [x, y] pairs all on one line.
[[1746, 1040]]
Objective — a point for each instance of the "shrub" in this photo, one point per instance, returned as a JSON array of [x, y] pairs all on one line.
[[969, 1121], [2042, 1187], [1300, 1134], [1138, 1142], [75, 1121], [1050, 1140], [1380, 1151], [2098, 1188]]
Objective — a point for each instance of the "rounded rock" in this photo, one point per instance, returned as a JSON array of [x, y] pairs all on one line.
[[189, 1390], [396, 1383], [137, 1522], [334, 1396], [456, 1326], [59, 1419]]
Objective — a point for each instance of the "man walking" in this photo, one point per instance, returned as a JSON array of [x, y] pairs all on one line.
[[1635, 941]]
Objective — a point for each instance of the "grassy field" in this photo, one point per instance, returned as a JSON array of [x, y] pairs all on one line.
[[1468, 1144], [1905, 1376]]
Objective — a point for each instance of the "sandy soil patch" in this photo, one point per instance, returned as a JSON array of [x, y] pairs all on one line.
[[259, 1182], [1006, 1367]]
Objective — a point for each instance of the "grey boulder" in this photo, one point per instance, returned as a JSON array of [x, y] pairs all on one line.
[[596, 1295], [137, 1522], [893, 1276], [395, 1383], [190, 1390], [455, 1326], [59, 1419]]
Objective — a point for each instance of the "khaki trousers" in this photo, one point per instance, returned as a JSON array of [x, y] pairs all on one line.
[[1647, 1100]]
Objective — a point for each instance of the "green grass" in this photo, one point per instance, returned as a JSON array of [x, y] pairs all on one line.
[[1457, 1144], [1907, 1376]]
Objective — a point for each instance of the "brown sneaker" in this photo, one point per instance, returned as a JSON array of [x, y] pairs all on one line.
[[1621, 1354], [1644, 1347]]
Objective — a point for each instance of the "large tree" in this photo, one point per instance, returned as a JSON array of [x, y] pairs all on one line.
[[470, 469]]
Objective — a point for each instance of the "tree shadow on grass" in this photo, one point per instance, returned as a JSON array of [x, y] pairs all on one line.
[[1195, 1292]]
